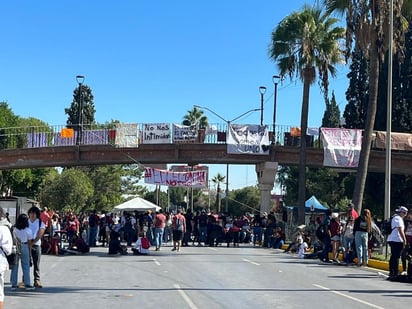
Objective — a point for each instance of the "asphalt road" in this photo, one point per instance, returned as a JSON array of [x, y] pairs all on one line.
[[204, 277]]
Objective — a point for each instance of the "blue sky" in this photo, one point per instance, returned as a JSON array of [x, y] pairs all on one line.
[[151, 61]]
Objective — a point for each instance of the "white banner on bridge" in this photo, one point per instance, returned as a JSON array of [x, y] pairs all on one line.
[[155, 133], [341, 147], [248, 139], [195, 179], [182, 133], [126, 135]]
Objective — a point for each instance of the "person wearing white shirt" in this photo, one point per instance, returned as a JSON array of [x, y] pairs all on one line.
[[397, 240], [6, 243], [25, 236], [303, 248], [38, 228]]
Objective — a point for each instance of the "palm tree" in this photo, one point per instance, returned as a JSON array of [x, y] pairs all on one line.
[[368, 24], [302, 44], [217, 180], [196, 118]]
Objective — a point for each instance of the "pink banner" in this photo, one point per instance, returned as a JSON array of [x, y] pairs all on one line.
[[195, 179], [341, 146]]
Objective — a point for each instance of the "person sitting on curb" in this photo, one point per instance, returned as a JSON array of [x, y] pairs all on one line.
[[278, 239], [294, 247], [304, 248]]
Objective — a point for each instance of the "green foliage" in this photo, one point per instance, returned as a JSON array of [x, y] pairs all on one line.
[[331, 117], [330, 187], [157, 197], [357, 93], [71, 190], [8, 120], [244, 200], [88, 107], [177, 195], [131, 175], [195, 117], [107, 183]]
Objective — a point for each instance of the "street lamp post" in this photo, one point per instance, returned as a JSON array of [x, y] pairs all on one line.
[[80, 80], [227, 132], [388, 139], [275, 79], [262, 90]]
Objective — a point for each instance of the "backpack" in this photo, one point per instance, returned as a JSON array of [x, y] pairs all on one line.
[[12, 258], [145, 243], [386, 226]]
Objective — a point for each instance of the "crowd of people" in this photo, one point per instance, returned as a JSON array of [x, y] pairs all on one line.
[[347, 233], [353, 237]]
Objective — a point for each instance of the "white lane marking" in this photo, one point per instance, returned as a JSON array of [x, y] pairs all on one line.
[[350, 297], [156, 262], [211, 248], [185, 297], [251, 262]]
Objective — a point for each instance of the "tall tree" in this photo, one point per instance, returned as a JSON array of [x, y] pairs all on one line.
[[217, 180], [357, 92], [302, 44], [367, 23], [331, 117], [86, 98]]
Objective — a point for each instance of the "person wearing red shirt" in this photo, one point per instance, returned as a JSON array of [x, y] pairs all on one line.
[[159, 223], [72, 227], [45, 217], [352, 212]]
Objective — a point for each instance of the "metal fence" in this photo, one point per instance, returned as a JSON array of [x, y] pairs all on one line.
[[104, 134]]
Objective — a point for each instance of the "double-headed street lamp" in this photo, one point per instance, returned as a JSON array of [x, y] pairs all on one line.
[[227, 132], [275, 79], [262, 90], [80, 80]]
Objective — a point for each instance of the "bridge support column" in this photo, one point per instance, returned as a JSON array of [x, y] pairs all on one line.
[[266, 173]]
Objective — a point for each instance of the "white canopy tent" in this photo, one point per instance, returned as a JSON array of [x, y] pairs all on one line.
[[137, 204]]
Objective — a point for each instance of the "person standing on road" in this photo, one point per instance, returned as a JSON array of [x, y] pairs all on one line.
[[257, 229], [326, 240], [93, 228], [6, 244], [189, 228], [397, 240], [25, 236], [202, 228], [38, 228], [159, 224], [362, 228], [335, 235], [179, 228]]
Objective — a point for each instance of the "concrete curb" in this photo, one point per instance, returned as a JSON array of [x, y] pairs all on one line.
[[377, 264]]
